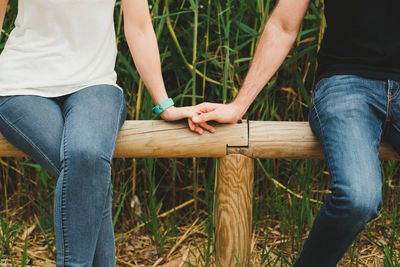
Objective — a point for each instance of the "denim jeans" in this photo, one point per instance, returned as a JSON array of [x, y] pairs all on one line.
[[350, 115], [73, 137]]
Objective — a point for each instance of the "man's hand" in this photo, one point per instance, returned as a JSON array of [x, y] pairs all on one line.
[[173, 113], [223, 113]]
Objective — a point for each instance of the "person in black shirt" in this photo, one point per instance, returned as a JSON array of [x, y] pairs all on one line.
[[355, 102]]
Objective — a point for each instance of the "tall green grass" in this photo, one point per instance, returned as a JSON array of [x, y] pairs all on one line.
[[206, 48]]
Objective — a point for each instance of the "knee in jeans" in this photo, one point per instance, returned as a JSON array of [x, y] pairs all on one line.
[[88, 157], [362, 206]]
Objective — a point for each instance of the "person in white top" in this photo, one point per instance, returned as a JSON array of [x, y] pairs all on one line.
[[60, 104]]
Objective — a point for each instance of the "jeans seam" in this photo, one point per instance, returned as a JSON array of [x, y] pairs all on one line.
[[30, 142], [63, 202], [122, 102], [388, 101], [115, 136]]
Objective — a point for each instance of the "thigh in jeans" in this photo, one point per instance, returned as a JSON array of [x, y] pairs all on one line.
[[93, 117], [346, 115], [34, 125]]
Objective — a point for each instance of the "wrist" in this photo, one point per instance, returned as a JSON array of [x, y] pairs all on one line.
[[163, 106], [240, 108], [168, 113]]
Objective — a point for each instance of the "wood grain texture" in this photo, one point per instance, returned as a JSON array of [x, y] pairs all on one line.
[[234, 210], [275, 139], [256, 139], [8, 150], [160, 139]]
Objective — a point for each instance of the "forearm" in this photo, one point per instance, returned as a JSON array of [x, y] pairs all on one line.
[[278, 36], [144, 49], [142, 43], [3, 7], [274, 46]]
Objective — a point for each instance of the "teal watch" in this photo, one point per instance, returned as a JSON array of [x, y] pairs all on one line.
[[163, 106]]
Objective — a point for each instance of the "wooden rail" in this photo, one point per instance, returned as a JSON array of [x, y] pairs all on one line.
[[256, 139], [235, 145]]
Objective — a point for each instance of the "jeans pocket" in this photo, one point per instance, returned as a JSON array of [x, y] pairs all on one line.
[[320, 82], [314, 121], [317, 88]]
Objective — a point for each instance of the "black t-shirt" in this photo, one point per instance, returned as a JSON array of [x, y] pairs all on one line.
[[362, 38]]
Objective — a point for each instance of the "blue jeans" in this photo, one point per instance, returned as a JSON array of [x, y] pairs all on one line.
[[73, 137], [350, 115]]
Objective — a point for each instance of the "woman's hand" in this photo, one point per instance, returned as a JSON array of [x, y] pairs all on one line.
[[223, 113], [174, 113]]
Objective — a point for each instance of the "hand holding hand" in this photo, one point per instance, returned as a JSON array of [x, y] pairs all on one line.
[[177, 113], [223, 113]]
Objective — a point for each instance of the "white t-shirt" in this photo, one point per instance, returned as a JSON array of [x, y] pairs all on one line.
[[59, 47]]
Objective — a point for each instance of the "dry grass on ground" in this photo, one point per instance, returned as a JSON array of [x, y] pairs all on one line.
[[189, 246]]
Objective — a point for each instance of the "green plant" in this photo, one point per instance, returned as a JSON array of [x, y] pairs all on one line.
[[8, 235], [206, 48]]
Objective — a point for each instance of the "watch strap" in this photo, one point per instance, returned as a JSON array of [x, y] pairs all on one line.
[[163, 106]]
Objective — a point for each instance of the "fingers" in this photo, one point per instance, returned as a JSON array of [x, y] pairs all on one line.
[[186, 112], [202, 118], [197, 120], [207, 107], [191, 124], [194, 128], [208, 127]]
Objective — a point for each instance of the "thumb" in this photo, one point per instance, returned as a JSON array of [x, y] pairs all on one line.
[[203, 117]]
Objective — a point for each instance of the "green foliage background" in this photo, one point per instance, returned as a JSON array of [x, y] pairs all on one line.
[[206, 47]]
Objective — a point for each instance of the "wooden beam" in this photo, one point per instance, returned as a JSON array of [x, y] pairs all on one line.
[[275, 139], [256, 139], [234, 210], [160, 139]]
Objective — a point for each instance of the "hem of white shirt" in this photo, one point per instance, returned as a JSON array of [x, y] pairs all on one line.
[[47, 92]]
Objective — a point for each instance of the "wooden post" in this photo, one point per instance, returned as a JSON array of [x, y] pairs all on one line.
[[234, 210]]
